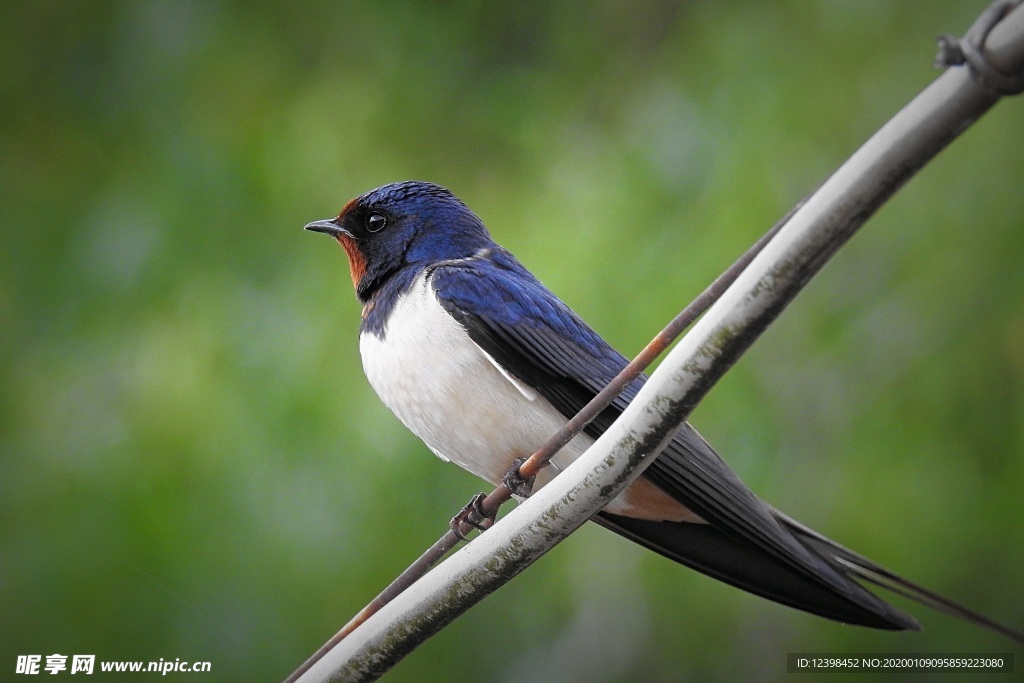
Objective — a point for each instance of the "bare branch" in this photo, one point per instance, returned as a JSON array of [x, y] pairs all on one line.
[[806, 242]]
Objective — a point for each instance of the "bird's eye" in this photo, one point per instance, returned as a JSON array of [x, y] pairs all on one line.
[[375, 222]]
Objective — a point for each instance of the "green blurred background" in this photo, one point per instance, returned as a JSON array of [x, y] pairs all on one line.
[[192, 464]]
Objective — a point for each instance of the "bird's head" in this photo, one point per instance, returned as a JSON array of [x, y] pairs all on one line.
[[408, 224]]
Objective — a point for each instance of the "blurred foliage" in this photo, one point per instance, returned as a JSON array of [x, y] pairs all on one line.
[[191, 463]]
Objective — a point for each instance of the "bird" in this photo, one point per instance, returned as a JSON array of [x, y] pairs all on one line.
[[484, 363]]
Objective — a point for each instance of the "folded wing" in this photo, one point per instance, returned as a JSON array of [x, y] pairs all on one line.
[[746, 543]]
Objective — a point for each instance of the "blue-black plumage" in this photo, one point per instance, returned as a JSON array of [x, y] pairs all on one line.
[[484, 363]]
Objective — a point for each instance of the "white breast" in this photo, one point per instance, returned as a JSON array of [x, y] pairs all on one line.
[[451, 394], [467, 409]]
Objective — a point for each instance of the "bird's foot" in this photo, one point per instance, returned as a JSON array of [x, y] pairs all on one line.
[[470, 514], [519, 485]]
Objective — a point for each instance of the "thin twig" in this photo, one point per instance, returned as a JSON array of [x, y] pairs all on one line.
[[907, 142]]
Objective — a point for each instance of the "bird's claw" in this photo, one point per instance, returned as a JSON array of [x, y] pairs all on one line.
[[468, 515], [519, 485]]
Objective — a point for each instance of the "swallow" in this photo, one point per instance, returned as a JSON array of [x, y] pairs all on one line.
[[483, 363]]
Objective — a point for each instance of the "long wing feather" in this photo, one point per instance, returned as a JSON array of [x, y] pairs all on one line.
[[538, 340]]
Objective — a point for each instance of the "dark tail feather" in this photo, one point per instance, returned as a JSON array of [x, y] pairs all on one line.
[[863, 568], [708, 550]]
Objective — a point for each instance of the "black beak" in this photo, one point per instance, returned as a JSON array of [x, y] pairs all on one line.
[[327, 226]]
